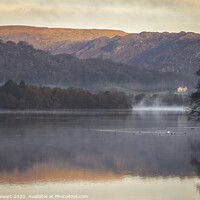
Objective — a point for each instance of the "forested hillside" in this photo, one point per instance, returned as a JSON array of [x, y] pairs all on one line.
[[22, 62], [167, 52]]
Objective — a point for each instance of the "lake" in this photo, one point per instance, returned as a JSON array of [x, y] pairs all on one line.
[[99, 155]]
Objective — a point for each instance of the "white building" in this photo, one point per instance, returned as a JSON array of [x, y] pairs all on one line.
[[182, 89]]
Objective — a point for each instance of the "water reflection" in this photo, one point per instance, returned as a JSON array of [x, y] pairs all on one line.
[[97, 153], [195, 158], [67, 146]]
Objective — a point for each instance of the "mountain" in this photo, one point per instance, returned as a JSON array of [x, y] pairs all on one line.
[[22, 62], [42, 38], [166, 52]]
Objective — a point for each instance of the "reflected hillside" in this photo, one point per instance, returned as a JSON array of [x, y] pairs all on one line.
[[52, 173]]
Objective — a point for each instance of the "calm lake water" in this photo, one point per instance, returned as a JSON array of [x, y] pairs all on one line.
[[104, 155]]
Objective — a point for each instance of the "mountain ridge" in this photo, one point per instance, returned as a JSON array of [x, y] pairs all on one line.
[[166, 52], [47, 36], [174, 52], [22, 62]]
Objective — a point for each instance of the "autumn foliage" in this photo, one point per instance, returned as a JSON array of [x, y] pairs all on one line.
[[22, 96]]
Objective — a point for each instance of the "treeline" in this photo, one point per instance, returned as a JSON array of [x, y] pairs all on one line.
[[22, 62], [22, 96]]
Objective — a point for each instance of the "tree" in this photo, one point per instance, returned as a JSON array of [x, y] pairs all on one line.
[[22, 84], [195, 101], [22, 96]]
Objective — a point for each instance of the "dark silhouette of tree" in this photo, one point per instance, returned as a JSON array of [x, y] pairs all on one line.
[[195, 101], [22, 84]]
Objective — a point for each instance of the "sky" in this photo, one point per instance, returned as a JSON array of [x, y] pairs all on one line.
[[132, 16]]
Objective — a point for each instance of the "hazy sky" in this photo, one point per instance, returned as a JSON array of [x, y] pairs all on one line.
[[127, 15]]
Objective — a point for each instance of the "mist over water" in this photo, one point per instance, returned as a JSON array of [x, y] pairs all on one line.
[[164, 102], [160, 108]]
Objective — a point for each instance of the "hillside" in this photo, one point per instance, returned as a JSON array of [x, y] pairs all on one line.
[[167, 52], [42, 37], [22, 62]]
